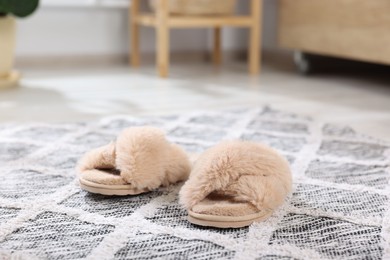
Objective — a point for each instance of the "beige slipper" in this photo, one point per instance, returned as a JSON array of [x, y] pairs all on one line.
[[139, 161], [234, 184]]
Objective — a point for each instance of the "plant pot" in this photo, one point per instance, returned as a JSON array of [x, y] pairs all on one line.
[[8, 77], [198, 7]]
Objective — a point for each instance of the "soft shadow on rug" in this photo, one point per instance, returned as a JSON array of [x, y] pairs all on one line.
[[340, 207]]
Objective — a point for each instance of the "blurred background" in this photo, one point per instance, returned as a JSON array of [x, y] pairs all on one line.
[[70, 61]]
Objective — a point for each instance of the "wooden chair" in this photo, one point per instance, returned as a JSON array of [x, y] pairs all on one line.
[[162, 21]]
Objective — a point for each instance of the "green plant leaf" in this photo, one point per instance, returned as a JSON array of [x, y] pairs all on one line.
[[22, 8], [4, 8]]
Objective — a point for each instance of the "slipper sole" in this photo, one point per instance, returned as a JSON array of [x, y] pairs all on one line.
[[112, 190], [226, 221]]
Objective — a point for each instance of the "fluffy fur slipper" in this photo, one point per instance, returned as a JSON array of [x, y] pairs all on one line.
[[140, 160], [234, 184]]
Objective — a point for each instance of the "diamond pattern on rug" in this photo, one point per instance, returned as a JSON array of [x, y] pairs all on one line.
[[204, 134], [350, 173], [333, 130], [24, 183], [7, 213], [341, 181], [62, 158], [93, 139], [109, 206], [351, 203], [270, 113], [149, 246], [276, 257], [15, 150], [353, 150], [330, 237], [289, 144], [56, 236], [121, 123], [216, 120], [277, 126], [42, 133]]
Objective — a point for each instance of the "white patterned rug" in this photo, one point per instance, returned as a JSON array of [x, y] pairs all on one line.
[[340, 208]]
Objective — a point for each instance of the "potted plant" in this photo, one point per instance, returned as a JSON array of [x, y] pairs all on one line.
[[9, 9]]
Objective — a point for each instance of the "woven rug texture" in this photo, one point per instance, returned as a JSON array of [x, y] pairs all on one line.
[[339, 209]]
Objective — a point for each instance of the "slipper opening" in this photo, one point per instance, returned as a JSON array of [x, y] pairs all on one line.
[[223, 205]]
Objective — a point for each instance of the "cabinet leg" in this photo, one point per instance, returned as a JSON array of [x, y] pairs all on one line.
[[217, 50], [162, 31], [134, 34], [254, 38]]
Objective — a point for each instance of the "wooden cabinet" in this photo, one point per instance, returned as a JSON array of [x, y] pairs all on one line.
[[355, 29], [163, 21]]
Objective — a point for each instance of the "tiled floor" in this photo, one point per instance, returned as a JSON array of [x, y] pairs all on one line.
[[361, 100]]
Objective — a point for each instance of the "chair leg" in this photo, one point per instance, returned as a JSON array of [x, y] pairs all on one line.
[[217, 51], [254, 41], [134, 34], [162, 31]]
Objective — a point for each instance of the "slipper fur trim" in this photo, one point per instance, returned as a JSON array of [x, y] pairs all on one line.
[[99, 158], [143, 157], [147, 160], [248, 172]]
